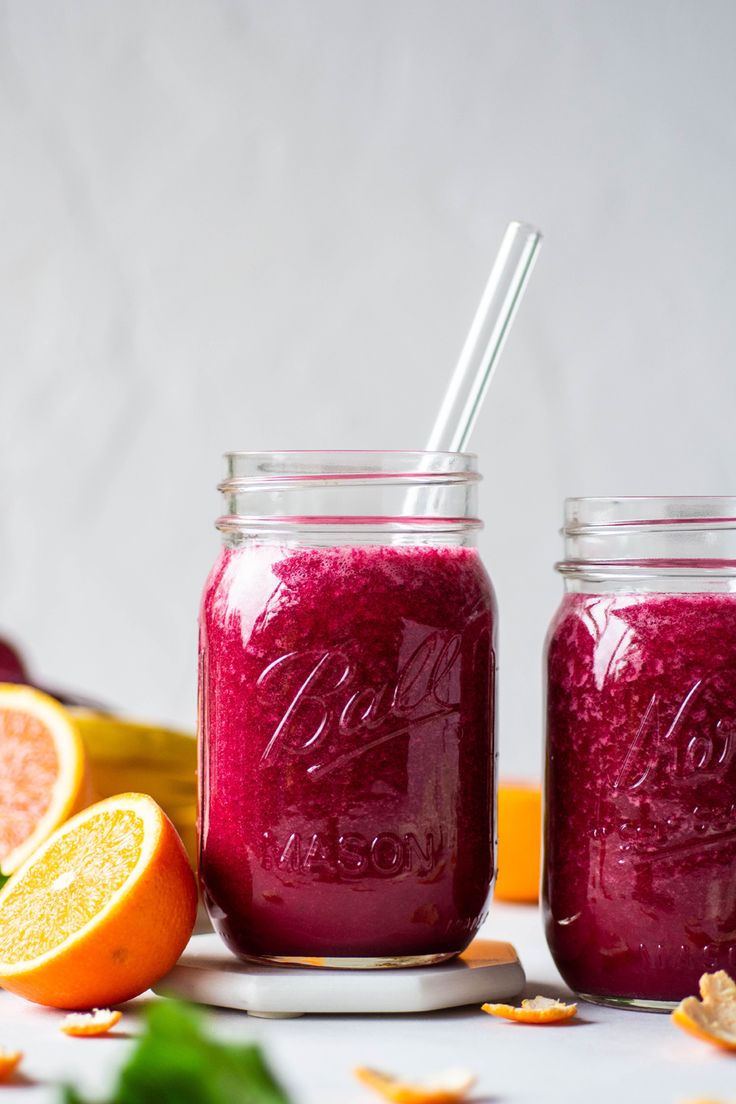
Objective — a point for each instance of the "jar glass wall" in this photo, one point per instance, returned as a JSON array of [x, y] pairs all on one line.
[[640, 818], [347, 659]]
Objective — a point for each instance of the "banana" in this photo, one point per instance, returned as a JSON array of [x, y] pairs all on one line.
[[130, 756]]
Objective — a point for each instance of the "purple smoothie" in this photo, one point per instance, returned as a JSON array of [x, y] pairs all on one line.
[[640, 832], [347, 749]]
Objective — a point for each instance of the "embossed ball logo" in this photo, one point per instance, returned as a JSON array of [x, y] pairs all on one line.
[[328, 718]]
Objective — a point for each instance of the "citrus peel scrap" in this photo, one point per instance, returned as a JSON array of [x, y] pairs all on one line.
[[536, 1010], [711, 1018], [9, 1062], [90, 1024], [449, 1087]]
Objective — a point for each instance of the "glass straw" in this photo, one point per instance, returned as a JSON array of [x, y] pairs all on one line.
[[485, 341]]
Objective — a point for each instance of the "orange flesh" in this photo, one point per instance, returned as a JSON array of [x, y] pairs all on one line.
[[48, 907], [29, 767]]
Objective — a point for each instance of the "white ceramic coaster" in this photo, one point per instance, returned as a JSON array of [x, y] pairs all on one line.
[[208, 974]]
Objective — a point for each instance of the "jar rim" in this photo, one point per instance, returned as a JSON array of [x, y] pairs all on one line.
[[331, 464], [588, 515], [348, 452], [384, 491], [254, 471], [621, 540]]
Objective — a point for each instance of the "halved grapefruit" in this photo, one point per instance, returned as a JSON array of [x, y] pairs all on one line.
[[43, 777]]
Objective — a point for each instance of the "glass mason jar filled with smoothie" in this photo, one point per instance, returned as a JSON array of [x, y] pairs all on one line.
[[347, 669], [640, 819]]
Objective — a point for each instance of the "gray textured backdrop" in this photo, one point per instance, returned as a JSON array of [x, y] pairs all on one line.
[[259, 224]]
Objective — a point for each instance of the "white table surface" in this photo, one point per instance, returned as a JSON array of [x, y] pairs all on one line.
[[604, 1056]]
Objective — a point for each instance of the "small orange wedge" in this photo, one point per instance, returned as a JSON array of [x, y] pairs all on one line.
[[9, 1062], [713, 1017], [90, 1025], [43, 778], [101, 911], [537, 1010], [446, 1088]]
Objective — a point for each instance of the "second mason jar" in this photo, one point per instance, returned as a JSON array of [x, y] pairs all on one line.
[[640, 817], [347, 670]]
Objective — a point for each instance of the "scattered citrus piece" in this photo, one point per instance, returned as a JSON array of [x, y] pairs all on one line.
[[447, 1088], [537, 1010], [43, 779], [90, 1024], [9, 1062], [519, 841], [713, 1018], [101, 911]]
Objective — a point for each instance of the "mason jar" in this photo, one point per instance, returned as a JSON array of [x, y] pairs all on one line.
[[640, 817], [347, 663]]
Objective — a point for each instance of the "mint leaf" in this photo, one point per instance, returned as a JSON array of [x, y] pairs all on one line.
[[177, 1062], [3, 879]]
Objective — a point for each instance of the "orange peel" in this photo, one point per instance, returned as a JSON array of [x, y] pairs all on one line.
[[537, 1010], [90, 1025], [711, 1018], [449, 1087], [9, 1062]]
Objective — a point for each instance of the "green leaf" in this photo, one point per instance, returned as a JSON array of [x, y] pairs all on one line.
[[71, 1097], [3, 879], [177, 1062]]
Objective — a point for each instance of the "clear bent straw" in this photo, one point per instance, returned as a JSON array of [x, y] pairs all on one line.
[[485, 341]]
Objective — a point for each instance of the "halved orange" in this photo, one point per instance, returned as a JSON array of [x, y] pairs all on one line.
[[90, 1025], [9, 1062], [101, 911], [43, 779], [536, 1010], [713, 1018], [450, 1087]]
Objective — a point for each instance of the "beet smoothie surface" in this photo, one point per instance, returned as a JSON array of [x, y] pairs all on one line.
[[347, 721], [640, 883]]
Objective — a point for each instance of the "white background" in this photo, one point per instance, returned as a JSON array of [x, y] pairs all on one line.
[[266, 224]]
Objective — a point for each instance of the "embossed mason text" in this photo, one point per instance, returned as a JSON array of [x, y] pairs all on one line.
[[350, 854]]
